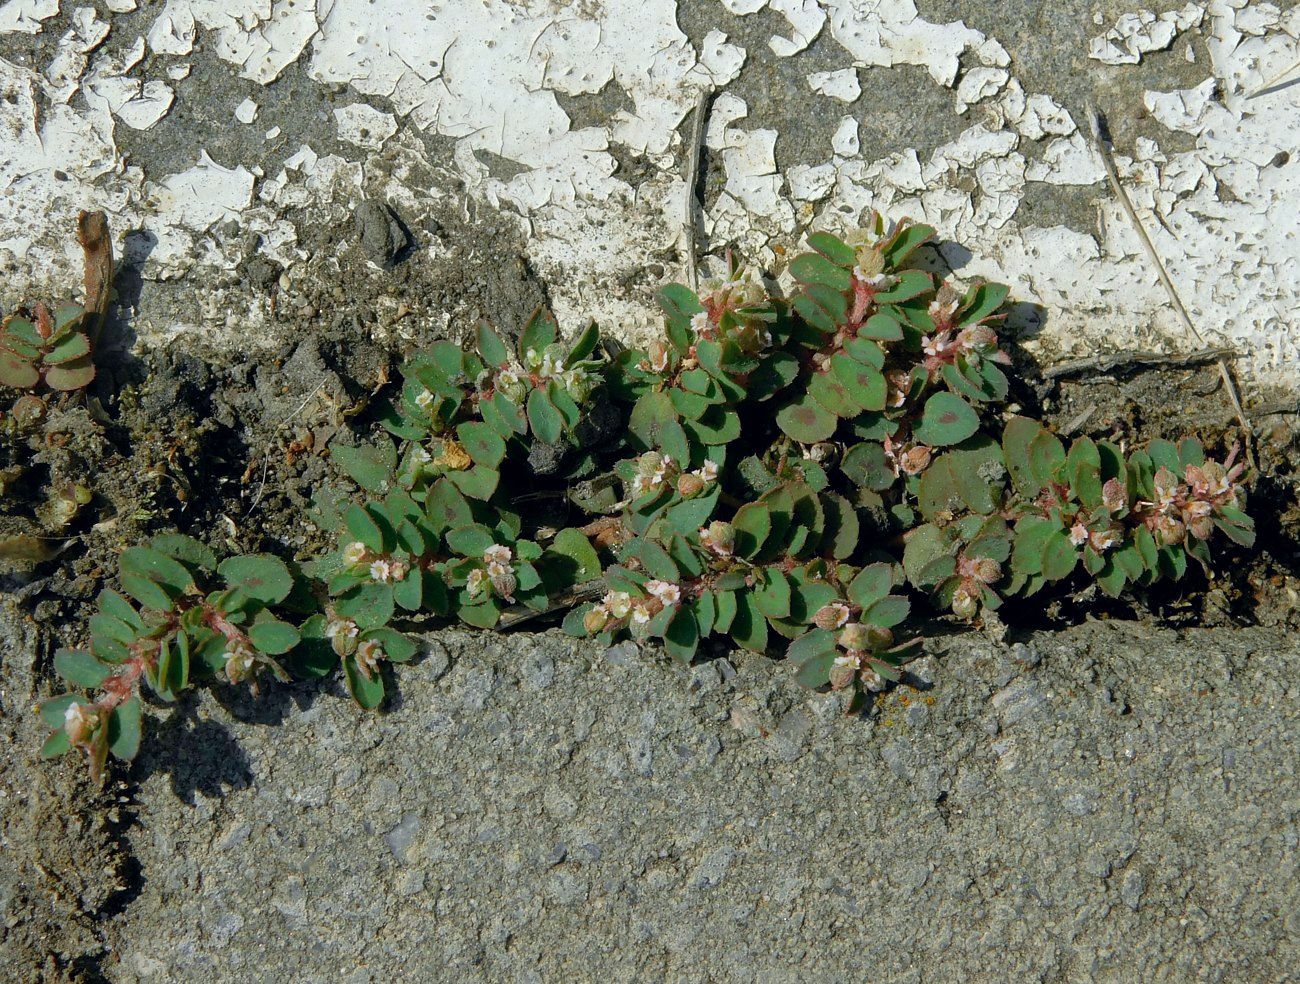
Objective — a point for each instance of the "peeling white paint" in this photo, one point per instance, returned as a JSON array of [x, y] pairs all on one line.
[[25, 16], [490, 75], [1137, 33], [841, 84], [806, 19], [364, 125]]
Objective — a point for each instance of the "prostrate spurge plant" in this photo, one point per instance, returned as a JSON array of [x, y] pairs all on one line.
[[779, 474]]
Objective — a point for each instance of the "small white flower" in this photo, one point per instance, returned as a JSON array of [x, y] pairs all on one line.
[[497, 554], [700, 324], [424, 400], [846, 660], [354, 553], [477, 582], [708, 471], [640, 613], [667, 592], [420, 456], [341, 628], [240, 661], [368, 655], [617, 603], [507, 378], [79, 720], [878, 281], [1101, 542], [382, 570], [1078, 534]]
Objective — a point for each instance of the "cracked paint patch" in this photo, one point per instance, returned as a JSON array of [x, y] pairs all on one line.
[[1135, 34], [486, 74]]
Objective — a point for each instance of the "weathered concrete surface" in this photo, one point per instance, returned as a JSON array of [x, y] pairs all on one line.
[[219, 134], [1110, 803]]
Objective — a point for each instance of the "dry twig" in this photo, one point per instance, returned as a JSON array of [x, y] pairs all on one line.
[[694, 153], [1101, 139], [1135, 360], [97, 245]]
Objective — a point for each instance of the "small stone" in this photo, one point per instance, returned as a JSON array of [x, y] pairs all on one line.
[[1132, 888], [402, 836], [377, 229]]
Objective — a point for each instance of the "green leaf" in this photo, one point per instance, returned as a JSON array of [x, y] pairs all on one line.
[[73, 345], [274, 637], [447, 507], [652, 412], [813, 268], [482, 443], [947, 419], [772, 594], [52, 711], [490, 347], [186, 549], [682, 635], [905, 241], [1083, 465], [832, 248], [928, 557], [113, 604], [843, 528], [543, 417], [1046, 454], [157, 567], [1059, 556], [871, 584], [146, 592], [478, 482], [882, 327], [753, 523], [470, 541], [816, 671], [397, 647], [259, 576], [866, 465], [911, 283], [1017, 437], [55, 745], [481, 616], [980, 302], [574, 546], [369, 465], [124, 729], [806, 421], [887, 612], [80, 668], [73, 375], [725, 603], [368, 692], [749, 628], [1032, 534], [584, 345], [370, 605], [539, 333], [16, 371], [363, 526], [409, 592]]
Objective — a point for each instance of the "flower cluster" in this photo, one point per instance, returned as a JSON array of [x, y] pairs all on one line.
[[496, 576], [1180, 507], [619, 608]]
